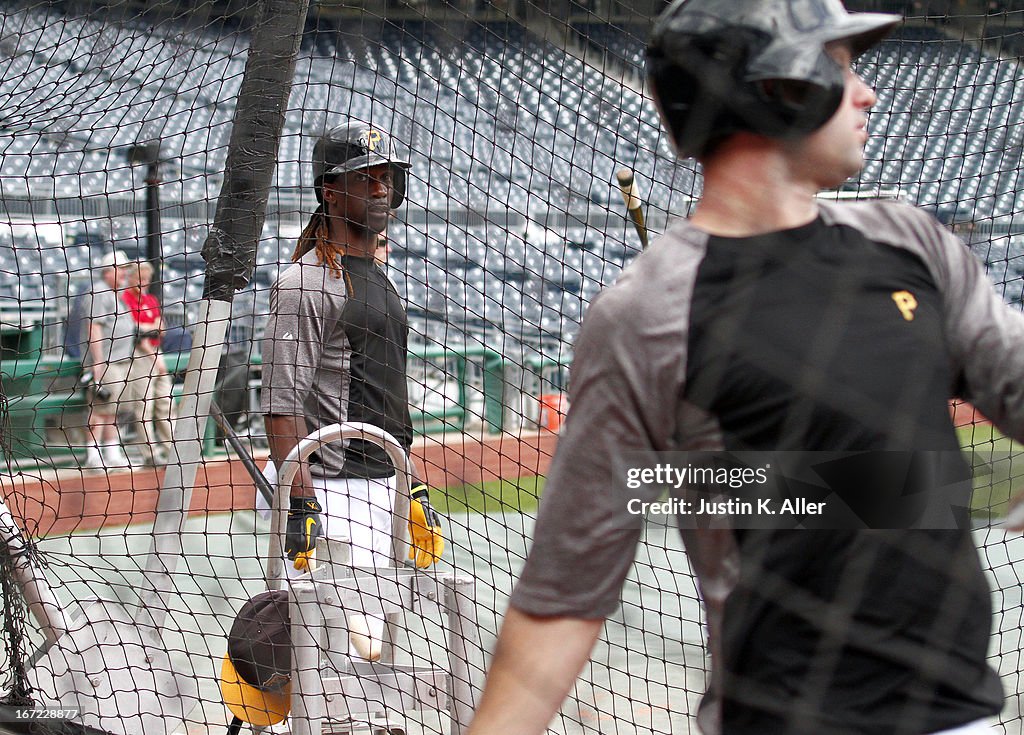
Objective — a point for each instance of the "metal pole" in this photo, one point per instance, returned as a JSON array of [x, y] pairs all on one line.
[[230, 254], [187, 454], [460, 604], [306, 626], [154, 249], [148, 154], [38, 594], [276, 574]]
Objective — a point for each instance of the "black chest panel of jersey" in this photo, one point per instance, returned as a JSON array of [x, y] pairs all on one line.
[[818, 338], [377, 330]]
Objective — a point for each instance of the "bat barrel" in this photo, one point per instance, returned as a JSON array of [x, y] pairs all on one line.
[[631, 196]]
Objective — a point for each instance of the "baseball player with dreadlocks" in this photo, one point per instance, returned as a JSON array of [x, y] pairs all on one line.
[[772, 321], [335, 351]]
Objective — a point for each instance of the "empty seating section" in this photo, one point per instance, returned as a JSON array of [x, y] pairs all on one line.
[[1004, 259], [945, 125], [497, 120]]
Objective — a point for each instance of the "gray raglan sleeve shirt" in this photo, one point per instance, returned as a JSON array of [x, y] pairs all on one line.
[[296, 368], [984, 335], [625, 387]]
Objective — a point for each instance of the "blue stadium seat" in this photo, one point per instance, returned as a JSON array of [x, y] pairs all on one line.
[[498, 121]]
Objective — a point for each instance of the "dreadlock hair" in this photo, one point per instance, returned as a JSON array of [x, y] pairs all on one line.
[[314, 237]]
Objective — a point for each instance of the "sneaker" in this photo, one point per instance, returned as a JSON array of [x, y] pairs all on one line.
[[114, 457], [93, 460]]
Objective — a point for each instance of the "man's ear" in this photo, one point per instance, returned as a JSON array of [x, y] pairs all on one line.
[[332, 190]]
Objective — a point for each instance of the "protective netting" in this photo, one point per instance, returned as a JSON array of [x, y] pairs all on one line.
[[116, 124]]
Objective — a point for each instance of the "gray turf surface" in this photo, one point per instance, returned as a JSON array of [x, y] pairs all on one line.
[[646, 674]]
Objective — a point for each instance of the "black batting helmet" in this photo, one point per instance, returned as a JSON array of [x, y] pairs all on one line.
[[256, 673], [718, 67], [352, 146]]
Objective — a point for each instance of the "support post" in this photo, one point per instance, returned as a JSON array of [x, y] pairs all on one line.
[[460, 605]]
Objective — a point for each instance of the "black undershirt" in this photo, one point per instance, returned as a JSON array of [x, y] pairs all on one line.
[[817, 338], [377, 330]]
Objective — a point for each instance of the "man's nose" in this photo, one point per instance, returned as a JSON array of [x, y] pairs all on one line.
[[379, 187]]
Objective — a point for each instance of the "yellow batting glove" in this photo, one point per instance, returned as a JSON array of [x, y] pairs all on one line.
[[304, 560], [424, 528]]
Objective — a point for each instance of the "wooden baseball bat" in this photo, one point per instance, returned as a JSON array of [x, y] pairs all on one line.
[[304, 560], [243, 454], [631, 196]]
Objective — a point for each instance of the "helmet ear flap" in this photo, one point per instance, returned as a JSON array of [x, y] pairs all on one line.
[[797, 107], [397, 186]]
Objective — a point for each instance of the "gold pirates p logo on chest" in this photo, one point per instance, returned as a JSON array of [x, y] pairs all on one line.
[[906, 303]]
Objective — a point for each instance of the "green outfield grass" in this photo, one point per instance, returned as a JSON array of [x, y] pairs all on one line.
[[998, 468], [498, 496], [998, 465]]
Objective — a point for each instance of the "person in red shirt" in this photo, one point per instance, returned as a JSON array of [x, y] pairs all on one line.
[[149, 383]]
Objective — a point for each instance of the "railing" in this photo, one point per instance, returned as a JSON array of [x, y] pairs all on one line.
[[451, 389], [456, 389]]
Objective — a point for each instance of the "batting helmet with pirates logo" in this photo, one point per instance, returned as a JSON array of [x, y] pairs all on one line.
[[719, 67], [354, 146]]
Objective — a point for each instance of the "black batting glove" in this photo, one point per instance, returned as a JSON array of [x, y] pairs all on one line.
[[304, 528]]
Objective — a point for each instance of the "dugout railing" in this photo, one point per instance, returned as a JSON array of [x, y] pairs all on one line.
[[452, 389]]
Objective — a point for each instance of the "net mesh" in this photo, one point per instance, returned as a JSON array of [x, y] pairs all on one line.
[[115, 130]]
